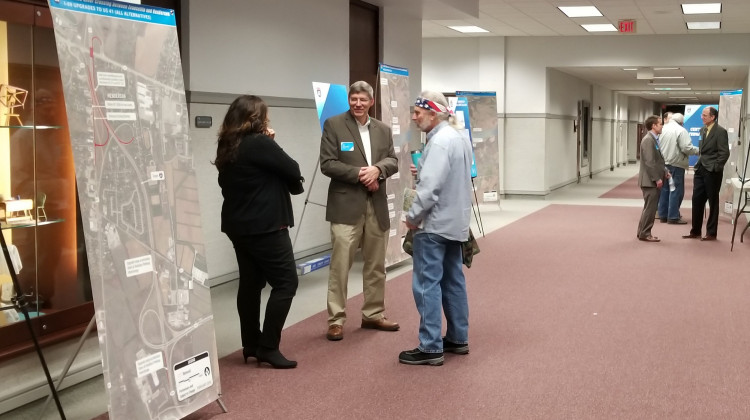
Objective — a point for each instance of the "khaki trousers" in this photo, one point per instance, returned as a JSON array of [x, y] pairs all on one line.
[[346, 239]]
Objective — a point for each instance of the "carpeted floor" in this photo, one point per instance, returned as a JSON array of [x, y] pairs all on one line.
[[571, 318], [631, 189]]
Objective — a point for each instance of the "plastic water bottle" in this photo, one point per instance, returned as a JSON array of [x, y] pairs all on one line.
[[671, 184]]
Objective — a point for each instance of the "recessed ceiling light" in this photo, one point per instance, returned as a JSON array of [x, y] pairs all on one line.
[[673, 88], [668, 84], [600, 27], [704, 25], [468, 29], [669, 77], [580, 11], [701, 8], [684, 97], [666, 68], [631, 69]]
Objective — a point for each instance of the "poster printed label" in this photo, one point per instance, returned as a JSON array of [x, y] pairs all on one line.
[[193, 375], [138, 265], [149, 364]]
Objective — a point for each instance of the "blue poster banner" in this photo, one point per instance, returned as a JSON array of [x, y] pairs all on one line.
[[330, 100], [119, 10], [461, 112], [693, 124]]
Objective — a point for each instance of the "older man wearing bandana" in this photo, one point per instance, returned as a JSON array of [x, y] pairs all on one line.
[[440, 217]]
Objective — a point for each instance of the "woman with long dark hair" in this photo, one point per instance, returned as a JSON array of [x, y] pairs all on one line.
[[256, 178]]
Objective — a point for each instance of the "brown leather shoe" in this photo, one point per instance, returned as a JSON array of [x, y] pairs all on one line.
[[381, 324], [691, 236], [708, 238], [335, 332]]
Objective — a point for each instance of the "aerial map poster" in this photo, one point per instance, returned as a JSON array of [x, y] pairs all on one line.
[[483, 123], [730, 107], [394, 105], [128, 119]]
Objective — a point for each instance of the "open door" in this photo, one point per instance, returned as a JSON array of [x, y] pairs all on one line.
[[640, 132], [583, 138]]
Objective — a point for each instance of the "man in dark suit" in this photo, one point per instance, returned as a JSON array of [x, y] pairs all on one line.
[[709, 173], [650, 177], [356, 152]]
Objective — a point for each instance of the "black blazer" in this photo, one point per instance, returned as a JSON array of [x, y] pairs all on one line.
[[714, 149], [256, 188]]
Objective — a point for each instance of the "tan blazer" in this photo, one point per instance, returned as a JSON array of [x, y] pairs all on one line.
[[341, 157], [652, 166]]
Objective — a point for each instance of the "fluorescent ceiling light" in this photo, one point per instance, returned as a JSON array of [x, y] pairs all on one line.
[[580, 11], [669, 77], [631, 69], [666, 68], [704, 25], [468, 29], [684, 97], [672, 88], [600, 27], [668, 84], [701, 8]]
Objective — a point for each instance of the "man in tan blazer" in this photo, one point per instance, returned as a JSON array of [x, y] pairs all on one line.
[[356, 152], [650, 177]]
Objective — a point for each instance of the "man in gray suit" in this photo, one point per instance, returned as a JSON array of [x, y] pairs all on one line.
[[709, 173], [356, 152], [650, 177]]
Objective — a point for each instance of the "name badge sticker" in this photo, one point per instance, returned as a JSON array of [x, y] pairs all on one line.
[[347, 146]]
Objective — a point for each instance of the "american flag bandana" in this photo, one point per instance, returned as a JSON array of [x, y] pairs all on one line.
[[428, 104]]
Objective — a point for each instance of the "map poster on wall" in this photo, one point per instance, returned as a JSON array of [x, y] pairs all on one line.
[[484, 136], [128, 119], [730, 105], [395, 112]]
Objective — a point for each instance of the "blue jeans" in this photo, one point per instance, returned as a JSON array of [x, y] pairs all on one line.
[[670, 201], [438, 281]]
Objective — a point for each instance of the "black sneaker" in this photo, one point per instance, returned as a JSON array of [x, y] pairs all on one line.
[[417, 357], [451, 347]]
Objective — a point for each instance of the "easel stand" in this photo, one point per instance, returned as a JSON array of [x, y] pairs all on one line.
[[742, 197], [477, 213], [19, 303], [307, 200]]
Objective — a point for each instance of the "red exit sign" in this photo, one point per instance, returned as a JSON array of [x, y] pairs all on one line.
[[626, 26]]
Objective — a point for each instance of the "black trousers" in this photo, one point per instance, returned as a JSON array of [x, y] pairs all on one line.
[[264, 259], [706, 187]]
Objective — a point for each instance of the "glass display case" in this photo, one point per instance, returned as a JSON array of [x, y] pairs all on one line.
[[39, 213]]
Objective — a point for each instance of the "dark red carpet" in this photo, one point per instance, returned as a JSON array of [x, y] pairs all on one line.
[[571, 318], [631, 189]]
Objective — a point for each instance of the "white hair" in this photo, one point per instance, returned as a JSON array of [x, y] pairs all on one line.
[[439, 99]]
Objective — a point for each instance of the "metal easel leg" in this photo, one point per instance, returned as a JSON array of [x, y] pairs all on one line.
[[221, 404], [69, 363], [477, 213], [20, 303]]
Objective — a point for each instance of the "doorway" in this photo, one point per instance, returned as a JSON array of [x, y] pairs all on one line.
[[583, 138]]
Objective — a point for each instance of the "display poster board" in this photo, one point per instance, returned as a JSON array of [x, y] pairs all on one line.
[[128, 118], [330, 100], [395, 111], [484, 135], [460, 108], [693, 124], [730, 107]]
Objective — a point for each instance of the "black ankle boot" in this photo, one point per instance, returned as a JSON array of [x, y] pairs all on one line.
[[274, 358], [249, 352]]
